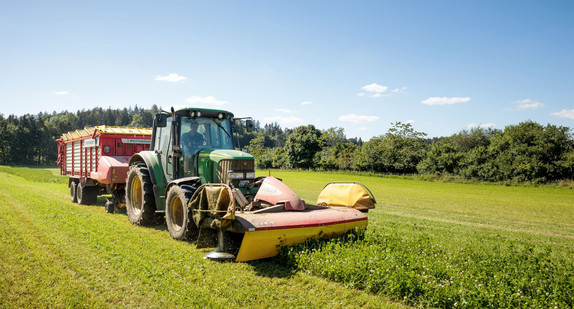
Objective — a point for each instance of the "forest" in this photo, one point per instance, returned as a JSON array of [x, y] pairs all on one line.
[[524, 152]]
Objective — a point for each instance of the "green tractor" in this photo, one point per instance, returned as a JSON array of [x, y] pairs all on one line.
[[189, 147], [209, 194]]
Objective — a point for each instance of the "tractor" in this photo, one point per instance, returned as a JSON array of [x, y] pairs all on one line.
[[208, 193]]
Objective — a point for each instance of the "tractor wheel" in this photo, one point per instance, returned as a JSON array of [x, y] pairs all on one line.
[[140, 203], [73, 188], [87, 195], [179, 225]]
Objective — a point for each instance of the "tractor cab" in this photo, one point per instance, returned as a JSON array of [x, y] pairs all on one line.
[[194, 142]]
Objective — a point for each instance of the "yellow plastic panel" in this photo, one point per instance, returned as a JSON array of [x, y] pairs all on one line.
[[265, 243], [347, 195]]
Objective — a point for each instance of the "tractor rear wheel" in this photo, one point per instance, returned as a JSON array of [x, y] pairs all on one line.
[[87, 195], [179, 225], [140, 202]]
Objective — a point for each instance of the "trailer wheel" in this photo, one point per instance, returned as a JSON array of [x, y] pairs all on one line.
[[87, 195], [179, 225], [73, 188], [140, 203]]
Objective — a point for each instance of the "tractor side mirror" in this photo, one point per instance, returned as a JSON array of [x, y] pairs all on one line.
[[249, 125], [160, 120]]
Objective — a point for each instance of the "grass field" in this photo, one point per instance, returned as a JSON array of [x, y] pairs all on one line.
[[451, 245], [428, 244]]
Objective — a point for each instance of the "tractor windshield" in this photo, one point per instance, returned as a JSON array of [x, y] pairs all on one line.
[[200, 133], [204, 132]]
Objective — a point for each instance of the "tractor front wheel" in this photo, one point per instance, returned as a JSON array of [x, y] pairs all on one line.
[[179, 225], [140, 203]]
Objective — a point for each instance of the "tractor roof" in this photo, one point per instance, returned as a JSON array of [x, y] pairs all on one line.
[[204, 111]]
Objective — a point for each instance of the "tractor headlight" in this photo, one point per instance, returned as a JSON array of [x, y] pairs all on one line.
[[250, 175], [236, 175]]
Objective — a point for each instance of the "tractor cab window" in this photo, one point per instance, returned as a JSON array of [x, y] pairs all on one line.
[[219, 134], [203, 132], [192, 135]]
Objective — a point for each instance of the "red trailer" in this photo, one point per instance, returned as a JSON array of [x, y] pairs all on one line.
[[96, 161]]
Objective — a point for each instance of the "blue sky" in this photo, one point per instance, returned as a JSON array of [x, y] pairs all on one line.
[[443, 66]]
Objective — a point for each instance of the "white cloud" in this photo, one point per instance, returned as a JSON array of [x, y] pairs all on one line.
[[172, 78], [358, 118], [565, 113], [409, 121], [527, 104], [288, 122], [375, 90], [480, 125], [374, 87], [61, 92], [306, 103], [445, 100], [362, 129], [400, 90], [205, 101], [284, 110]]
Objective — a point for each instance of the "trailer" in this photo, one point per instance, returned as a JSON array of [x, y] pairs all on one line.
[[96, 160]]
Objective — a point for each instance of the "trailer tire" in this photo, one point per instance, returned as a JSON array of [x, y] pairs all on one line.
[[179, 225], [73, 193], [87, 195], [140, 202]]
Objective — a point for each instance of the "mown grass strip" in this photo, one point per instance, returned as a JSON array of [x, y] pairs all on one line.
[[33, 271]]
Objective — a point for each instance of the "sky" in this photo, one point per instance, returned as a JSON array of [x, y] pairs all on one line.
[[442, 66]]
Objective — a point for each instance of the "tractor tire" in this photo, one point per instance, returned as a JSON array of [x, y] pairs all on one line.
[[140, 202], [179, 224], [87, 195], [73, 193]]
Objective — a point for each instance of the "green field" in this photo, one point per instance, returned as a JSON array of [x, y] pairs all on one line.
[[428, 244]]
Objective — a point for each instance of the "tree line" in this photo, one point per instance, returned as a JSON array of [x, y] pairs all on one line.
[[31, 139], [526, 152]]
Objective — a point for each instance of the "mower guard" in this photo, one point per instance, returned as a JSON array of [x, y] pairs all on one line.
[[259, 234]]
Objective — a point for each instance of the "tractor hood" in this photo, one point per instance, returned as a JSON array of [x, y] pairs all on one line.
[[214, 164], [223, 154]]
